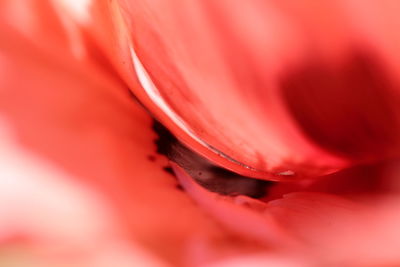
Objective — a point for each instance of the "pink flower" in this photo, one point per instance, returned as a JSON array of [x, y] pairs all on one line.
[[303, 93]]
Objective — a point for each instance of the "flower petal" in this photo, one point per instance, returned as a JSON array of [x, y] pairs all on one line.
[[268, 89], [338, 231]]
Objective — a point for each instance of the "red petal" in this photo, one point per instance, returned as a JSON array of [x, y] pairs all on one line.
[[269, 90]]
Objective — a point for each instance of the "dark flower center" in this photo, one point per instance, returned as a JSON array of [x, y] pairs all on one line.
[[205, 173]]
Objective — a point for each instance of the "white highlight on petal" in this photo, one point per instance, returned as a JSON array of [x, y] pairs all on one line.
[[78, 8], [154, 94], [287, 173], [74, 14]]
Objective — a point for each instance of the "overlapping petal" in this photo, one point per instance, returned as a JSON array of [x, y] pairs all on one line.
[[263, 88], [81, 184]]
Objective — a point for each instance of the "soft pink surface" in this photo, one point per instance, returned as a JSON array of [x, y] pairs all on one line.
[[306, 87], [77, 185]]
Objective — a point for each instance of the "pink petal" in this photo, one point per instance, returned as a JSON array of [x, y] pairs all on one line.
[[271, 90], [338, 231]]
